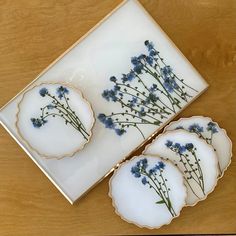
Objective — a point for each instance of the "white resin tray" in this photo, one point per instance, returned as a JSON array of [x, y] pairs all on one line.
[[158, 86]]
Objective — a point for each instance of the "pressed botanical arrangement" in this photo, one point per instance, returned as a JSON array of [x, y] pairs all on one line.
[[190, 162], [148, 94], [205, 131], [59, 107], [154, 178], [199, 130]]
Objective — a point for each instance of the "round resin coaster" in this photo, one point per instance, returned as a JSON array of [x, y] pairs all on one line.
[[54, 120], [193, 156], [147, 191], [206, 129]]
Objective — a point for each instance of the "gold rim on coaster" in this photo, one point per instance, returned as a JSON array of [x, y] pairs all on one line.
[[116, 208]]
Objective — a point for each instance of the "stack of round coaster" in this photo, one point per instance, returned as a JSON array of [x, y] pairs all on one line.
[[179, 168]]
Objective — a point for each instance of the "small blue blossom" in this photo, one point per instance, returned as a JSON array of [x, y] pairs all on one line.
[[135, 61], [151, 98], [43, 92], [169, 143], [149, 45], [120, 131], [161, 165], [144, 180], [212, 127], [61, 91], [102, 117], [170, 84], [153, 88], [37, 123], [133, 102], [149, 60], [152, 53], [130, 76], [113, 79], [196, 128], [166, 71], [50, 106], [136, 171], [189, 146], [109, 123], [138, 68], [142, 112], [110, 95]]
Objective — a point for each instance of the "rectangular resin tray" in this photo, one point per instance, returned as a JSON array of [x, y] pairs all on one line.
[[114, 48]]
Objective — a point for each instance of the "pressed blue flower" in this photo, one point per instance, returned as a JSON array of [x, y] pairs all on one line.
[[43, 92], [133, 102], [144, 163], [149, 45], [151, 98], [189, 146], [136, 171], [109, 123], [144, 180], [153, 88], [50, 106], [141, 57], [212, 127], [177, 145], [161, 165], [110, 95], [169, 143], [138, 68], [116, 88], [113, 79], [170, 84], [61, 91], [196, 128], [142, 112], [166, 70], [130, 76], [182, 149], [135, 61], [120, 131], [152, 53], [37, 123], [102, 117], [149, 60]]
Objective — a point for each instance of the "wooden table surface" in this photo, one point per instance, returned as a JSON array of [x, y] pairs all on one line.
[[35, 32]]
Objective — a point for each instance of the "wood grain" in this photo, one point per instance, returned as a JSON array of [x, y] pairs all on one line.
[[34, 33]]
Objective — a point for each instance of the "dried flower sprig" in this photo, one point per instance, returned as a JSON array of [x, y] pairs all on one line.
[[155, 179], [148, 94], [59, 107]]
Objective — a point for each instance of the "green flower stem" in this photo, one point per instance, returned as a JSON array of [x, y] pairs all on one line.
[[198, 181], [191, 188], [135, 126], [123, 114], [172, 72], [162, 196], [138, 111], [157, 89], [167, 94], [155, 104], [72, 118], [72, 112], [200, 171]]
